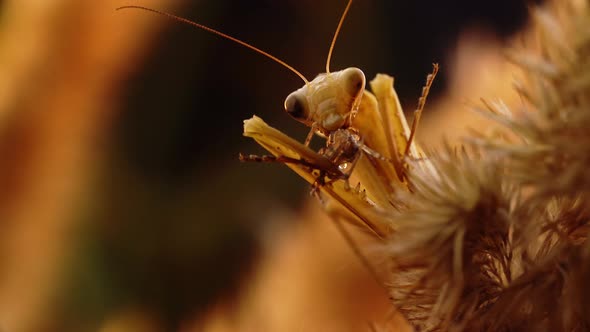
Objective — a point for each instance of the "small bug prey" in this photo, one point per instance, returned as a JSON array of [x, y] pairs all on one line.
[[343, 150]]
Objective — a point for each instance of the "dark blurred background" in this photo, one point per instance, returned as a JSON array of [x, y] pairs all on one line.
[[174, 220]]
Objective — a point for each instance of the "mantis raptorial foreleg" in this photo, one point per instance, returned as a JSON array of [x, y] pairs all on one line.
[[420, 108]]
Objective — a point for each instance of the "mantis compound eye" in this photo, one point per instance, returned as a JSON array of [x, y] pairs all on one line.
[[295, 106], [354, 81]]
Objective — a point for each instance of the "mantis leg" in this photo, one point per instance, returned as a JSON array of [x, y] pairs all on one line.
[[420, 108], [274, 159], [310, 135]]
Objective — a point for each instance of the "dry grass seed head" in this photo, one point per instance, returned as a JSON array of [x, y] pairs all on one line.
[[553, 126], [451, 252]]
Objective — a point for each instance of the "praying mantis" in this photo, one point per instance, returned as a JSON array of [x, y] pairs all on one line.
[[367, 135]]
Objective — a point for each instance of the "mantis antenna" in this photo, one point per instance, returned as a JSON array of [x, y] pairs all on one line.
[[221, 34], [336, 36]]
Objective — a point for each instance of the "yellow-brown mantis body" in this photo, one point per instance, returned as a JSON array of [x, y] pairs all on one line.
[[355, 123]]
